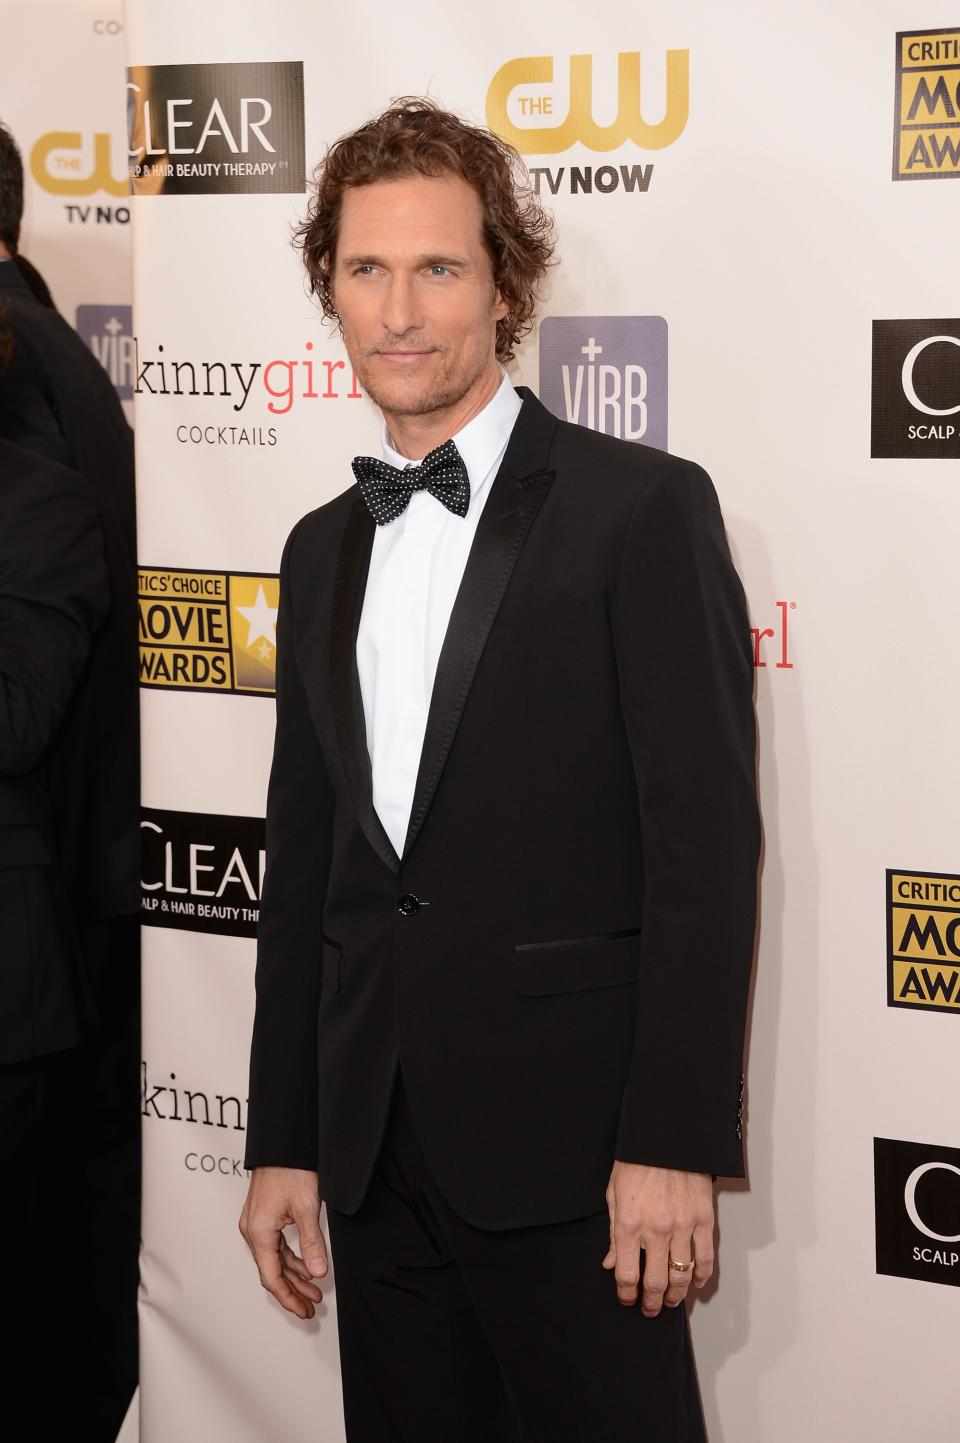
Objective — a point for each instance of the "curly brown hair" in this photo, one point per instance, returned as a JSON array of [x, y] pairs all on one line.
[[416, 136]]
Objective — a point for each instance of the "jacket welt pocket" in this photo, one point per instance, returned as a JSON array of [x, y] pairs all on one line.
[[331, 954], [577, 964]]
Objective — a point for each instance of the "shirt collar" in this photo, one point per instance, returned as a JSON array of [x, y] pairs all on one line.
[[480, 441]]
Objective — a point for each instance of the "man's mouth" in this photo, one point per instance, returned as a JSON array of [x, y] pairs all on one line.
[[400, 358]]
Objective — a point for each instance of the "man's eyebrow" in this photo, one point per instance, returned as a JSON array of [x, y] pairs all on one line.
[[418, 261]]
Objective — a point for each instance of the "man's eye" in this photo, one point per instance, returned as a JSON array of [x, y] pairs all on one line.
[[361, 269], [440, 268]]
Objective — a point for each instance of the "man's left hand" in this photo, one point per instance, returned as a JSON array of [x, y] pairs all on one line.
[[668, 1214]]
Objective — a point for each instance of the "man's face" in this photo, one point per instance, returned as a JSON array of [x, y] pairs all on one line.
[[413, 286]]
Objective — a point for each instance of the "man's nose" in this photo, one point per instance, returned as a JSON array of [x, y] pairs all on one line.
[[401, 311]]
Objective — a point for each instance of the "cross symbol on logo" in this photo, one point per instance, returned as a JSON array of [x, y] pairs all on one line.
[[113, 326]]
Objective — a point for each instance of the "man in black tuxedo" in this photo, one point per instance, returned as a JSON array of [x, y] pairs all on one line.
[[512, 838]]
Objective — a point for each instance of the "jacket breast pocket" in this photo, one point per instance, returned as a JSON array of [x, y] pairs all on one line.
[[331, 955], [578, 964]]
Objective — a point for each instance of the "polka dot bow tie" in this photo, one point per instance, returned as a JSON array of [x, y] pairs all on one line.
[[387, 490]]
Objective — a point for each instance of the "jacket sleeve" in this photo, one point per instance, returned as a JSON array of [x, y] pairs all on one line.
[[685, 665], [282, 1113], [54, 594]]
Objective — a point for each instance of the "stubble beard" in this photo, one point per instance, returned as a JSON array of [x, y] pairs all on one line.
[[444, 390]]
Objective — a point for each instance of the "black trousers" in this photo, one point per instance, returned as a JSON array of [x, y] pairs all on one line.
[[454, 1334], [70, 1213]]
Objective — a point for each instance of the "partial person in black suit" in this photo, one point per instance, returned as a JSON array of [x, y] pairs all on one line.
[[57, 401], [503, 1039], [54, 596]]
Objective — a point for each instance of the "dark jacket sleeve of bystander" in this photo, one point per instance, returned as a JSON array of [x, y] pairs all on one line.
[[54, 594]]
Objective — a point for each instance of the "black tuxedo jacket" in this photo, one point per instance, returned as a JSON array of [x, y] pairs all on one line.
[[560, 958], [54, 596], [57, 400]]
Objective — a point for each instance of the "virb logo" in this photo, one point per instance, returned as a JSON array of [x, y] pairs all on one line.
[[608, 373], [108, 331]]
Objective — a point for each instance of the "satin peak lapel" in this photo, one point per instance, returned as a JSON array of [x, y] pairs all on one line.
[[516, 494]]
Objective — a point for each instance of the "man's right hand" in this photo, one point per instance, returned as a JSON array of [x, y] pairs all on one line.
[[276, 1197]]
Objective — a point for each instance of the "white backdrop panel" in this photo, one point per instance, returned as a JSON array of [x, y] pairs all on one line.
[[770, 237]]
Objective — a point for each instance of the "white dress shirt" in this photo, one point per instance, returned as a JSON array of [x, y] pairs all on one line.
[[416, 567]]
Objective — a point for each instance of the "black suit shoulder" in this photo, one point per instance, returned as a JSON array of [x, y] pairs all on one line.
[[312, 545], [608, 490], [330, 517], [624, 471], [46, 335]]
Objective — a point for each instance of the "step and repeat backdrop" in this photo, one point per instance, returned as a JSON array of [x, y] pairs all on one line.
[[757, 215]]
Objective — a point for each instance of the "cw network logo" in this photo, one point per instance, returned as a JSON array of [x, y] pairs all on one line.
[[66, 162], [530, 111], [608, 373]]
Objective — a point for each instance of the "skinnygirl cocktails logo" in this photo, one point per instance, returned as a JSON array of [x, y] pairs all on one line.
[[232, 402]]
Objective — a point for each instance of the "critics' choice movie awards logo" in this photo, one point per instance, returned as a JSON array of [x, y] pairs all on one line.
[[916, 388], [917, 1210], [544, 107], [608, 373], [926, 135], [923, 940], [208, 630], [216, 129], [200, 872], [108, 331]]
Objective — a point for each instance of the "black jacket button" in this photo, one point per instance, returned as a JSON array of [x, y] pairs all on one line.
[[408, 904]]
